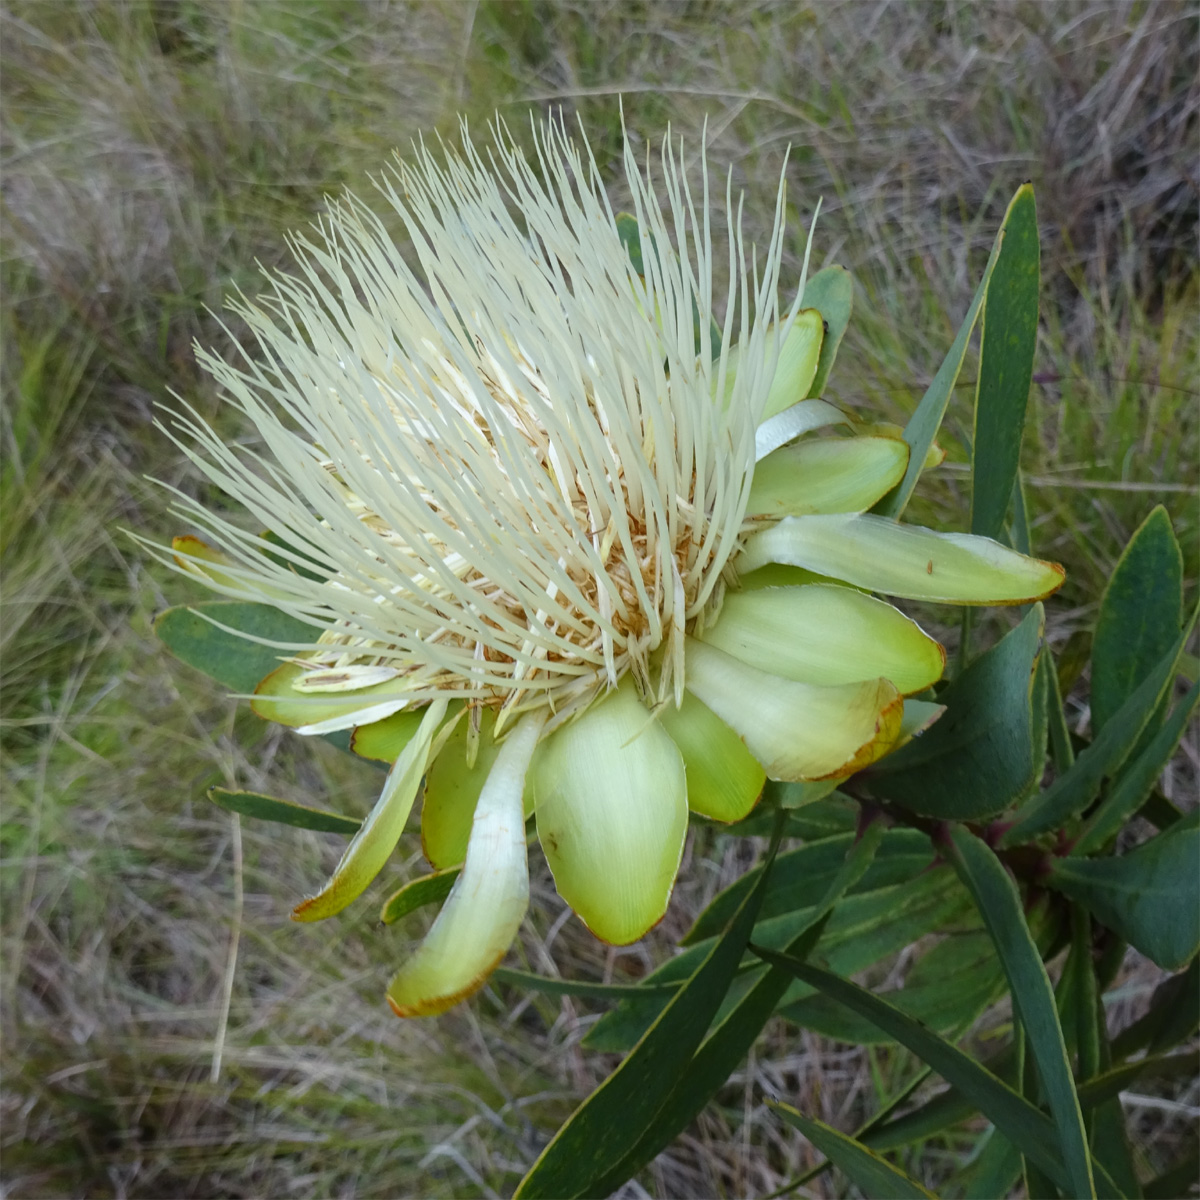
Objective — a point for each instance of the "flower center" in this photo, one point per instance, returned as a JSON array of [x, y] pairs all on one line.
[[621, 572]]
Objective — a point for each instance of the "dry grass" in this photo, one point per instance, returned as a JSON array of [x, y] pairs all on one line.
[[153, 152]]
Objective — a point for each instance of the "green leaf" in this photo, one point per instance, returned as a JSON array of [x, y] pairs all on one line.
[[283, 812], [236, 662], [923, 425], [1000, 905], [416, 893], [863, 929], [1150, 896], [831, 293], [1133, 785], [1077, 787], [1113, 1082], [1077, 998], [1007, 343], [978, 757], [800, 877], [874, 1175], [1140, 616], [622, 1109], [1027, 1127], [731, 1040], [946, 989], [1173, 1016]]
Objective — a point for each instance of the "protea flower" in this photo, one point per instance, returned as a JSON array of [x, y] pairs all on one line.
[[528, 496]]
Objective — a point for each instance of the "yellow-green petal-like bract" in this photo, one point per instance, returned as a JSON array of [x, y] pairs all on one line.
[[511, 481], [611, 805]]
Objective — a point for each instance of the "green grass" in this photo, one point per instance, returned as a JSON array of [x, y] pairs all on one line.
[[155, 153]]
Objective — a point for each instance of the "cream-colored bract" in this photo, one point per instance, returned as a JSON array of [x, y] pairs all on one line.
[[508, 479]]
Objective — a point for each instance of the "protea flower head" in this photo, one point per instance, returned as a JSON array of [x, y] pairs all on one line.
[[532, 501]]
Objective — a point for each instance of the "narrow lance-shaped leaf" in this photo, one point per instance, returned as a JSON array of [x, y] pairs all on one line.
[[923, 425], [876, 1176], [1133, 785], [1076, 788], [283, 812], [831, 292], [1140, 615], [1028, 1128], [1000, 906], [1007, 343], [417, 893], [600, 1131], [729, 1043]]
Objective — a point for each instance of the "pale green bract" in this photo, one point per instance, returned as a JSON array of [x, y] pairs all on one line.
[[511, 489]]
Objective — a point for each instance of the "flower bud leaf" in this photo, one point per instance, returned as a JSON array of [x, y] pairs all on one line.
[[792, 423], [610, 798], [375, 840], [724, 780], [828, 635], [843, 475], [278, 699], [796, 368], [452, 789], [384, 740], [487, 902], [796, 730], [903, 560]]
